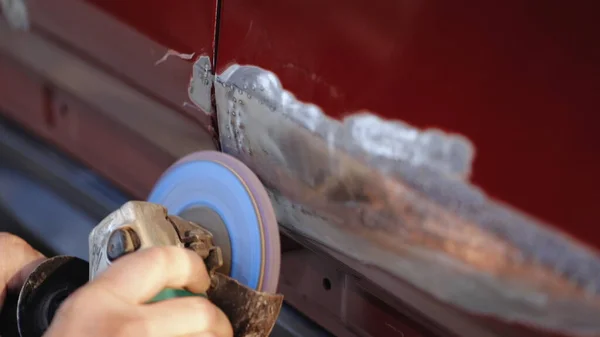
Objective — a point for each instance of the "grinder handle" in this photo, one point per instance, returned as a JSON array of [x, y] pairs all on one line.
[[170, 293]]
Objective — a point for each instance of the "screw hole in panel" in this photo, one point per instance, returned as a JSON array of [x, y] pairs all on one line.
[[326, 284]]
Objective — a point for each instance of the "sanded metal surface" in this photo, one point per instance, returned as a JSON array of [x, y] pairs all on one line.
[[410, 219]]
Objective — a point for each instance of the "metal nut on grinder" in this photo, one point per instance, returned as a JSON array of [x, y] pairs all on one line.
[[122, 241], [139, 225], [199, 240]]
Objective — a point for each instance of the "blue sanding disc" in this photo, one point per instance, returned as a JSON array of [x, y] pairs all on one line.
[[228, 187]]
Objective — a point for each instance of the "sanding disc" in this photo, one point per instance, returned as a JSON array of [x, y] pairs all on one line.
[[225, 185]]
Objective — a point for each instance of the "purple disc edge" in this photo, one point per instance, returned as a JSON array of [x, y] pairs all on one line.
[[271, 245]]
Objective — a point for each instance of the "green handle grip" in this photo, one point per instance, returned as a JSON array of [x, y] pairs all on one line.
[[169, 293]]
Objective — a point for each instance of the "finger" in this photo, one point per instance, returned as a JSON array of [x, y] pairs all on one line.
[[140, 276], [187, 316], [18, 260]]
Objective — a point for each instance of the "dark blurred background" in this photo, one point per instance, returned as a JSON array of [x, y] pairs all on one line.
[[48, 199]]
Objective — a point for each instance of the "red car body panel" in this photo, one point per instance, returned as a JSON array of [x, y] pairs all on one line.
[[517, 78]]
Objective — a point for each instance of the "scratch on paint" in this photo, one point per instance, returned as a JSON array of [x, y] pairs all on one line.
[[249, 29], [395, 329], [172, 52], [187, 104], [333, 91]]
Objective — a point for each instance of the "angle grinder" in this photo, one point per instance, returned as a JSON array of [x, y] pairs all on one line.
[[208, 202]]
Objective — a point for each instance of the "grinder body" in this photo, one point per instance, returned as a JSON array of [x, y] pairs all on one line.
[[244, 272]]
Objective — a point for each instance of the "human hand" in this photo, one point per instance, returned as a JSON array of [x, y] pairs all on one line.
[[18, 259], [114, 304]]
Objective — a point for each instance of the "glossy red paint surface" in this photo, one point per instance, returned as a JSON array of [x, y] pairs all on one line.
[[184, 25], [519, 78]]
